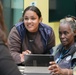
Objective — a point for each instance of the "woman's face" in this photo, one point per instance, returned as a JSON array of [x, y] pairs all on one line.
[[66, 35], [31, 21]]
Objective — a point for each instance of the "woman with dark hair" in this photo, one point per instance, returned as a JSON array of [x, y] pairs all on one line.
[[30, 36], [65, 53], [7, 64]]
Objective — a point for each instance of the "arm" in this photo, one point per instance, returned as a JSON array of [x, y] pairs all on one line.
[[7, 65], [14, 44], [51, 41]]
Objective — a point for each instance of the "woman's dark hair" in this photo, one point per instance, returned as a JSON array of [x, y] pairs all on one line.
[[33, 8], [2, 25]]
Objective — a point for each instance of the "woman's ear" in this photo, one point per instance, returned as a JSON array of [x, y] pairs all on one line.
[[41, 19], [74, 32]]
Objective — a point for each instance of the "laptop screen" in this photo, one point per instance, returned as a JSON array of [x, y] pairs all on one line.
[[38, 59]]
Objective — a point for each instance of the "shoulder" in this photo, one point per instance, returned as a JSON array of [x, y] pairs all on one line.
[[6, 61], [13, 31], [74, 49], [13, 35], [16, 30], [45, 26], [4, 51], [19, 24], [20, 27], [74, 56], [56, 48], [74, 60]]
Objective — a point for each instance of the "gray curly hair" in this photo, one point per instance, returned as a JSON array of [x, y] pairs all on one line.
[[72, 22]]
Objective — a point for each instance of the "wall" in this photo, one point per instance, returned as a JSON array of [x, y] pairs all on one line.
[[43, 6], [17, 8]]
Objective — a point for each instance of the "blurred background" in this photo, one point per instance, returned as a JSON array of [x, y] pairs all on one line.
[[52, 11]]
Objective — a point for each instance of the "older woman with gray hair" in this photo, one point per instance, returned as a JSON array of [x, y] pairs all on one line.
[[65, 53]]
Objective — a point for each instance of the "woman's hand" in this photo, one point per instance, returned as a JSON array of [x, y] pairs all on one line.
[[54, 68], [23, 53], [22, 57], [26, 52]]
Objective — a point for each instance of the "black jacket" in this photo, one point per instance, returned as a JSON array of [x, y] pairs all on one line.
[[7, 65], [44, 29]]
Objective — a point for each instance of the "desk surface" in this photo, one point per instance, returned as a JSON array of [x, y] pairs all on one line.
[[74, 72], [34, 70]]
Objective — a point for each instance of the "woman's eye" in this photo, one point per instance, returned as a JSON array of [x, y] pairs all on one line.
[[60, 33], [65, 33], [33, 18], [26, 18]]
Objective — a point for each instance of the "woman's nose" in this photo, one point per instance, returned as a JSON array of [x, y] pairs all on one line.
[[29, 20], [62, 36]]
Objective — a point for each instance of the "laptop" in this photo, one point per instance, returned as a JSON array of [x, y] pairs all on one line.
[[38, 59]]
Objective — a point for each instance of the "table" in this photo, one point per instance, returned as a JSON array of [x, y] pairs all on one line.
[[29, 70], [74, 71]]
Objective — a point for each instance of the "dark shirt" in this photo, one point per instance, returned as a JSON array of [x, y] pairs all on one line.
[[7, 65]]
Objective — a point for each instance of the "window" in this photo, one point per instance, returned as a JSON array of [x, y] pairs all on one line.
[[61, 8], [12, 12]]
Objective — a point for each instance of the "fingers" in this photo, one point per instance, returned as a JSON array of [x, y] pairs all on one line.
[[51, 63], [23, 53], [26, 52], [54, 68], [22, 57]]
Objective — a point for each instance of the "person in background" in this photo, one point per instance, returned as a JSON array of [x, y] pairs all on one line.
[[65, 53], [7, 64], [30, 36]]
